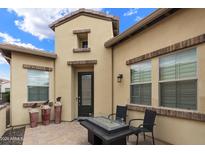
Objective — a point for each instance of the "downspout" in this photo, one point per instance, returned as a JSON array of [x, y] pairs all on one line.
[[11, 85], [54, 79], [112, 80]]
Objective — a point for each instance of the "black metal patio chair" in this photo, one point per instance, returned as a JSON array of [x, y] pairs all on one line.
[[147, 125], [120, 115]]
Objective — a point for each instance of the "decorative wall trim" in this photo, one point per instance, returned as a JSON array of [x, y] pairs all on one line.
[[82, 62], [34, 67], [81, 50], [175, 113], [169, 49], [81, 31]]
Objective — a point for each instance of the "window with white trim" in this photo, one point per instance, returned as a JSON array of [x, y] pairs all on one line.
[[140, 88], [38, 85], [178, 80]]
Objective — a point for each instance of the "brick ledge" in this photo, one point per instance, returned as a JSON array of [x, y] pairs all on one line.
[[169, 49], [28, 105], [82, 62], [81, 50], [35, 67], [169, 112]]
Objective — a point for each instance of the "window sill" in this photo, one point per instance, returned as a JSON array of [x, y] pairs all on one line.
[[170, 112], [81, 50], [39, 103]]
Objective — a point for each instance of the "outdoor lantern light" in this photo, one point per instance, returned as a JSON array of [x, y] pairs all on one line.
[[119, 77]]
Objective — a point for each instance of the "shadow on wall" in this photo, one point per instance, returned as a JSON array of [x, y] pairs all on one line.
[[8, 116]]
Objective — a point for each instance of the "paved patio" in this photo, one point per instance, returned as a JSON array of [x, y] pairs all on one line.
[[66, 133]]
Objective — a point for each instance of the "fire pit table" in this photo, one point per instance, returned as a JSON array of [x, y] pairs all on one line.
[[102, 130]]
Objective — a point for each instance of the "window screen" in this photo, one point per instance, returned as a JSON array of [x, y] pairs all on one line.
[[178, 83], [38, 85], [140, 88]]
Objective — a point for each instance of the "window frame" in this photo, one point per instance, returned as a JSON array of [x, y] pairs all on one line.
[[141, 83], [27, 86], [85, 45], [178, 80], [7, 90], [81, 40]]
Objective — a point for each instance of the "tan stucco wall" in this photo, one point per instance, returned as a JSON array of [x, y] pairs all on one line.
[[2, 121], [171, 30], [65, 41], [201, 77], [174, 29], [175, 131], [19, 114]]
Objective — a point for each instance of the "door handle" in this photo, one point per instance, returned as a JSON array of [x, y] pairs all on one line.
[[78, 99]]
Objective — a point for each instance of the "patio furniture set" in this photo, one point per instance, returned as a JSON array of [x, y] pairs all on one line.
[[106, 130], [112, 130]]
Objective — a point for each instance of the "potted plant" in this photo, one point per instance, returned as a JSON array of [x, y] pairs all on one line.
[[33, 114], [57, 110], [45, 112]]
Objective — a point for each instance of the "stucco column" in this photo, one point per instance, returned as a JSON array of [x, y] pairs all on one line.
[[154, 80]]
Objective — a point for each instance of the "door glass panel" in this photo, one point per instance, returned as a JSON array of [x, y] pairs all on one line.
[[86, 90]]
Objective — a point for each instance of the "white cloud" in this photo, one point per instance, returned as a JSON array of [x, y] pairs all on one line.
[[6, 38], [131, 12], [4, 76], [107, 12], [36, 21]]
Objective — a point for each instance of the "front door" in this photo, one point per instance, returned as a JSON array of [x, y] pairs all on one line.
[[85, 94]]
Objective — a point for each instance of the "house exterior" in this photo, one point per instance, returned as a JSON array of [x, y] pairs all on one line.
[[157, 64], [4, 87]]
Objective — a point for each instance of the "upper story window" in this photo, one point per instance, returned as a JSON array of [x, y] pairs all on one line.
[[178, 80], [140, 88], [38, 85], [85, 44], [82, 40]]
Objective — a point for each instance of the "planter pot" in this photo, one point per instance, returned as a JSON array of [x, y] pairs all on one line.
[[33, 118], [45, 114], [57, 112]]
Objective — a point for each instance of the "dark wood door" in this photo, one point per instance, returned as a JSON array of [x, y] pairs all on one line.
[[85, 94]]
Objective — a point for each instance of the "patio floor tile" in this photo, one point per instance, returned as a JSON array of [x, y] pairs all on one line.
[[66, 133]]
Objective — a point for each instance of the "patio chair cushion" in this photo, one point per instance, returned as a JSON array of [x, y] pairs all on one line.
[[138, 130]]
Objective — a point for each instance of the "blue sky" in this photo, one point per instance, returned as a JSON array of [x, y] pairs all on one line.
[[29, 27]]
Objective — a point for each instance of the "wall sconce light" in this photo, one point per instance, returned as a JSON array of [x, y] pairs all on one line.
[[119, 77]]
